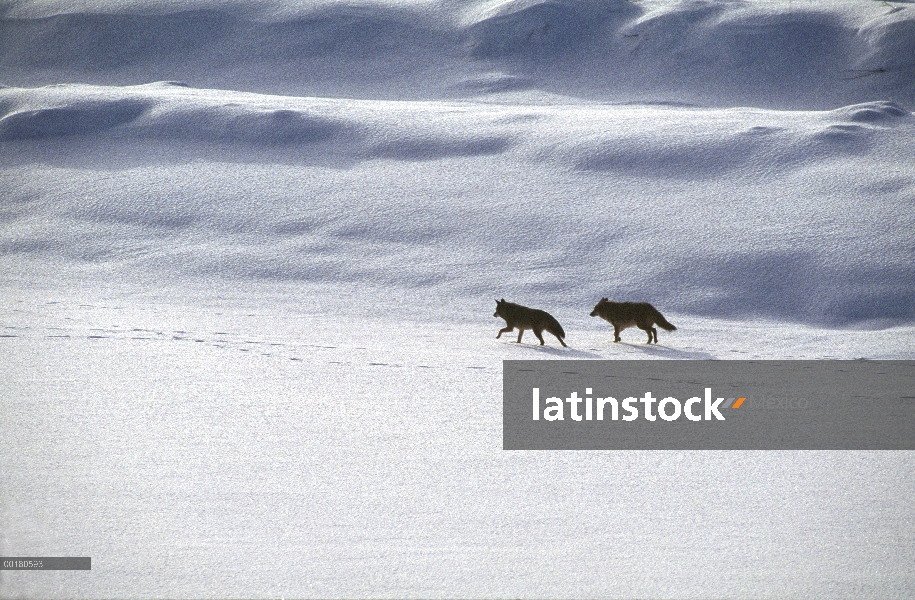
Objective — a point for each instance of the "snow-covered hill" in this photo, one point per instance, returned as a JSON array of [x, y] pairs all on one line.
[[762, 53], [248, 258], [797, 216]]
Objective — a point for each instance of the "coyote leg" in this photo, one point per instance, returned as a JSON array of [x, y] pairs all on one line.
[[520, 333], [616, 334], [647, 328], [539, 335], [504, 330]]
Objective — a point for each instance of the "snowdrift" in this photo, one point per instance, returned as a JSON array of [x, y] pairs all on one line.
[[766, 54], [785, 215]]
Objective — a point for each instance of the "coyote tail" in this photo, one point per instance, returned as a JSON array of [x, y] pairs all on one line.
[[557, 328], [664, 323]]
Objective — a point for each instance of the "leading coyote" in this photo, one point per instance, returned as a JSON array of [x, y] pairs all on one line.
[[523, 318], [626, 314]]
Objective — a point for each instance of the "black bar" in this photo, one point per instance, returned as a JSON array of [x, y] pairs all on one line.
[[45, 563]]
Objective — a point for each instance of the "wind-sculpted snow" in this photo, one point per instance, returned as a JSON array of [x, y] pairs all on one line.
[[95, 42], [239, 124], [671, 148], [794, 284], [872, 112], [73, 118], [795, 56], [170, 111], [787, 215], [61, 114], [537, 30]]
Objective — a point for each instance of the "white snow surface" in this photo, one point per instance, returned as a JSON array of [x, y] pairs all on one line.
[[248, 259]]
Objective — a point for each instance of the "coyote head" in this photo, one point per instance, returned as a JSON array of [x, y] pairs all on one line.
[[603, 302], [499, 304]]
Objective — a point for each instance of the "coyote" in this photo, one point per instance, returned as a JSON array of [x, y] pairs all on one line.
[[522, 317], [626, 314]]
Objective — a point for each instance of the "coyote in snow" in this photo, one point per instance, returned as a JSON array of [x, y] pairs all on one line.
[[626, 314], [522, 317]]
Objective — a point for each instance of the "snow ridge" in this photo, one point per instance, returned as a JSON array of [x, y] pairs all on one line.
[[765, 54]]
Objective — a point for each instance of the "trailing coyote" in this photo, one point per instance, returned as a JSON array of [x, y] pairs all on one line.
[[522, 317], [626, 314]]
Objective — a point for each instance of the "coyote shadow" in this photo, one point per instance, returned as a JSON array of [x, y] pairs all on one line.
[[668, 352], [568, 352]]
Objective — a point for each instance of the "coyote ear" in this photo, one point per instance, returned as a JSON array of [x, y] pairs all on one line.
[[606, 300], [503, 299]]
